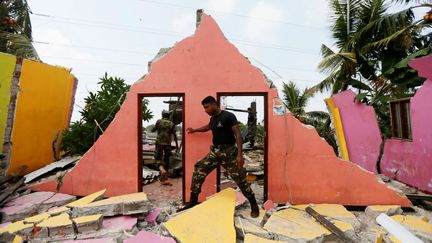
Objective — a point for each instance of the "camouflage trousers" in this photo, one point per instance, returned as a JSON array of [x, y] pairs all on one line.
[[162, 155], [226, 158]]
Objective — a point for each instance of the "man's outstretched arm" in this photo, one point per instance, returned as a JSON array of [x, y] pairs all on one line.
[[204, 128]]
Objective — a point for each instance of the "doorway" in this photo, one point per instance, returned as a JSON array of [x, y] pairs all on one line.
[[251, 112], [163, 185]]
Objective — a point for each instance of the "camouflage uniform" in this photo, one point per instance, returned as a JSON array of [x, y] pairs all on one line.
[[226, 157], [252, 127], [165, 128]]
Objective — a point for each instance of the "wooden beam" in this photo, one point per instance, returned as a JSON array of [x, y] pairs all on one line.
[[322, 220]]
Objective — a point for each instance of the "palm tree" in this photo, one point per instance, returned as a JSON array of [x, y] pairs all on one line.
[[16, 29], [374, 48], [369, 42], [296, 101]]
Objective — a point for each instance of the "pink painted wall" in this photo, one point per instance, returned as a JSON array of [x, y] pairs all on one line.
[[362, 133], [302, 166], [411, 161]]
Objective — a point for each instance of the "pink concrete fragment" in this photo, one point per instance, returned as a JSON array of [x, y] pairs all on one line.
[[111, 226], [149, 237], [151, 217], [40, 197], [240, 199], [269, 204], [32, 203]]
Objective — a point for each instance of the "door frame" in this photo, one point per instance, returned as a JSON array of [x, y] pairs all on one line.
[[140, 129], [265, 96]]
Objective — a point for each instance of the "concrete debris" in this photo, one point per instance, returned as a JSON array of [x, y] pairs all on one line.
[[33, 203], [149, 237], [149, 175], [244, 227], [51, 168], [396, 229], [152, 216], [374, 211], [57, 226], [88, 224], [269, 204], [250, 238], [120, 205]]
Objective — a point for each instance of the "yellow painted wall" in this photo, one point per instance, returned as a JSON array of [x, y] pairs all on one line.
[[338, 127], [43, 109], [7, 67]]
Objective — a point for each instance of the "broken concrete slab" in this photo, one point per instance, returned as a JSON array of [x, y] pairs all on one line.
[[120, 205], [149, 237], [332, 211], [112, 227], [88, 224], [250, 238], [294, 224], [33, 203], [57, 226], [244, 227], [240, 199], [50, 167], [18, 228], [375, 210], [88, 199], [416, 225], [184, 226]]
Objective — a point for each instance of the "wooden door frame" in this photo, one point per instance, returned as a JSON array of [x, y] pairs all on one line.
[[140, 150], [266, 113]]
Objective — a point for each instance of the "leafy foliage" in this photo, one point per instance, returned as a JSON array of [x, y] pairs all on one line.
[[100, 109], [296, 101], [16, 29], [374, 48]]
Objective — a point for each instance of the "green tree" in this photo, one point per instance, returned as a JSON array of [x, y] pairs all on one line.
[[374, 48], [16, 29], [296, 101], [100, 109]]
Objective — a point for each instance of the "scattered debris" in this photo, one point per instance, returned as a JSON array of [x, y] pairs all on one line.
[[401, 234], [328, 225], [52, 168], [374, 211]]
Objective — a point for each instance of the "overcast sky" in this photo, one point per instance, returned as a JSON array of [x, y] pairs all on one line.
[[283, 38]]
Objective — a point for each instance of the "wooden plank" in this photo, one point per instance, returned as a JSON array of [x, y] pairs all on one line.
[[322, 220]]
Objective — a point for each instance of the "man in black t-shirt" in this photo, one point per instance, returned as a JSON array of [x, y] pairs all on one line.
[[226, 134]]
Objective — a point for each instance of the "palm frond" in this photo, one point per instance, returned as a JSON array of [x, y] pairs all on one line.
[[332, 60], [19, 45]]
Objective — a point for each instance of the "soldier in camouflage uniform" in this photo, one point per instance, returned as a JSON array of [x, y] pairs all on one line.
[[165, 131], [252, 124], [223, 152]]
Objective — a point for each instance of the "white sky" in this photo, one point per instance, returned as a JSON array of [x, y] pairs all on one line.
[[120, 37]]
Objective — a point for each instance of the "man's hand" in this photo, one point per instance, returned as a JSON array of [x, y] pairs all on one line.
[[191, 130], [240, 160]]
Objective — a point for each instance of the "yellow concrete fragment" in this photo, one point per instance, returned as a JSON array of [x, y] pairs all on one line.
[[248, 227], [58, 210], [140, 196], [210, 221], [87, 199], [250, 238], [393, 239], [329, 210], [60, 220], [414, 223], [17, 239], [37, 218], [298, 225], [17, 226], [383, 208], [379, 238], [85, 219]]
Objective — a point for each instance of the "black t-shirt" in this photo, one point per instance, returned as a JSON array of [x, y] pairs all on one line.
[[221, 128]]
